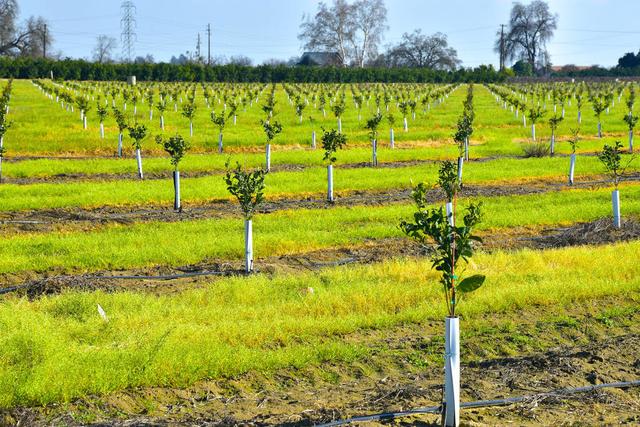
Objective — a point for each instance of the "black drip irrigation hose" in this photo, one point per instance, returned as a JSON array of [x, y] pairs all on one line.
[[481, 403]]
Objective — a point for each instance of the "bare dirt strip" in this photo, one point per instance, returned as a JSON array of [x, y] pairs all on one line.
[[401, 370]]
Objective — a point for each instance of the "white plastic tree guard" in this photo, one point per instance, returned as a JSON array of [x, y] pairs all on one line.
[[452, 372], [248, 245]]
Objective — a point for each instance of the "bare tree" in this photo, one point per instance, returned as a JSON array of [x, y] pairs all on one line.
[[370, 20], [419, 50], [103, 51], [240, 60], [29, 39], [332, 28], [530, 28], [8, 16]]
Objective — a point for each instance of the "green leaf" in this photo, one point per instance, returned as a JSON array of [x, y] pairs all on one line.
[[470, 284]]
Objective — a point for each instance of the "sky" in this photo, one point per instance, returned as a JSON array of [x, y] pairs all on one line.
[[589, 31]]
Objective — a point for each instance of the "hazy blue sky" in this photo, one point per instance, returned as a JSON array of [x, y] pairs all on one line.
[[589, 31]]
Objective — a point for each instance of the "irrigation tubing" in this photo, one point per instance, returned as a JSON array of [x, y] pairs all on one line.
[[481, 403]]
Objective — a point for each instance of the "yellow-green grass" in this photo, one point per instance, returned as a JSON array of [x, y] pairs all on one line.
[[58, 348], [310, 181], [280, 233], [215, 163], [42, 127]]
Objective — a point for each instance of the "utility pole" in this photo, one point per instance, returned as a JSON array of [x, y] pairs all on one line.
[[209, 44], [198, 56], [502, 48], [44, 42]]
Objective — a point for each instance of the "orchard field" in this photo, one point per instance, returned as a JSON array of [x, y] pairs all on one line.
[[117, 307]]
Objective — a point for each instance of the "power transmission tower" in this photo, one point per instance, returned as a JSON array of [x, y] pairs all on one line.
[[502, 48], [209, 44], [128, 25]]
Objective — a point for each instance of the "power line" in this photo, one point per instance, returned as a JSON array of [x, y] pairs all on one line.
[[128, 24]]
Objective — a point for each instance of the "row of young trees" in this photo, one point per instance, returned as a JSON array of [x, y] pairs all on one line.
[[532, 102], [228, 101], [5, 97]]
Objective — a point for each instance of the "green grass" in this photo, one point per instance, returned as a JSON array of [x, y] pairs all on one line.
[[42, 127], [280, 233], [55, 349], [89, 194]]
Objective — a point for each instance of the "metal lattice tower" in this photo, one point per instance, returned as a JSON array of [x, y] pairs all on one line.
[[128, 25]]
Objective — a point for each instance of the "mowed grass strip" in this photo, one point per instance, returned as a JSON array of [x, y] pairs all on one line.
[[58, 348], [280, 233], [311, 181]]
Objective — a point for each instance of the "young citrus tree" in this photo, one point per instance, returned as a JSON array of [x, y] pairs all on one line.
[[535, 113], [189, 111], [121, 121], [138, 133], [372, 125], [176, 147], [554, 121], [161, 107], [103, 113], [220, 121], [611, 158], [631, 122], [338, 111], [332, 141], [248, 188], [450, 245], [271, 130], [573, 143], [391, 119]]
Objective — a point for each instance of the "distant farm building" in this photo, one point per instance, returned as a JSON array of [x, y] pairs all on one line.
[[321, 59]]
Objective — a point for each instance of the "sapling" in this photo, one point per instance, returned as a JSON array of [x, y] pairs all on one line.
[[220, 121], [448, 244], [176, 147], [372, 126], [138, 133], [103, 112], [404, 108], [392, 138], [83, 106], [189, 111], [461, 137], [599, 105], [162, 107], [271, 130], [534, 113], [338, 110], [313, 132], [332, 141], [573, 143], [121, 121], [554, 121], [611, 158], [248, 188], [300, 106], [150, 103], [631, 122]]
